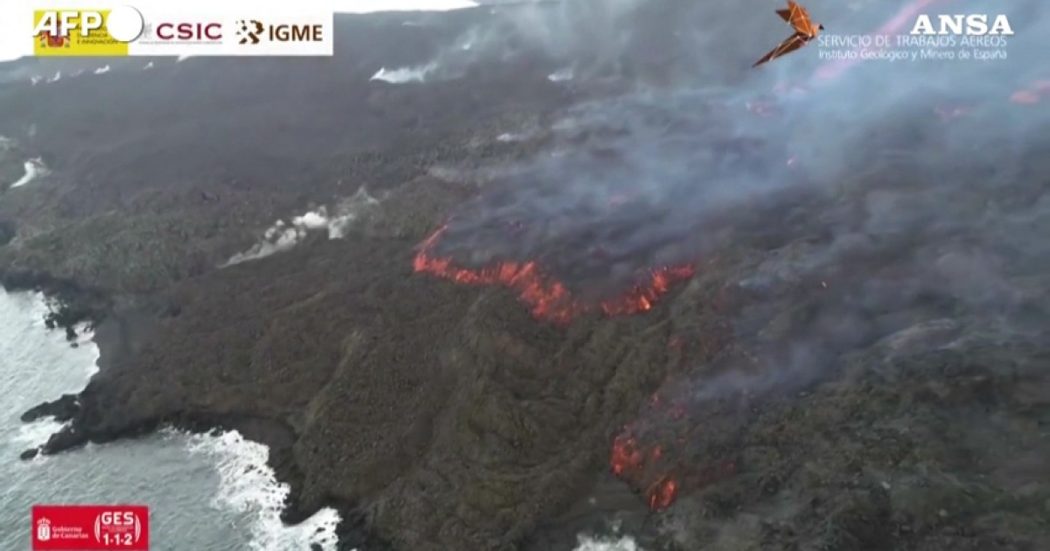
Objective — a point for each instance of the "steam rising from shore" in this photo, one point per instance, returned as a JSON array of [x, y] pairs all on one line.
[[34, 168], [404, 74], [282, 236], [625, 543]]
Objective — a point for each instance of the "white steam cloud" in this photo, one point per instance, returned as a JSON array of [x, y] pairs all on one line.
[[561, 75], [282, 236], [405, 74], [625, 543], [34, 168]]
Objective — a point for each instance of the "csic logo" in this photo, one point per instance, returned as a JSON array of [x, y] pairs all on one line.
[[182, 32], [253, 31], [971, 25]]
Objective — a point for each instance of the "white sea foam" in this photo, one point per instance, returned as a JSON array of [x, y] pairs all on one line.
[[282, 236], [148, 66], [32, 435], [102, 70], [33, 169], [249, 486], [625, 543], [56, 78], [404, 75]]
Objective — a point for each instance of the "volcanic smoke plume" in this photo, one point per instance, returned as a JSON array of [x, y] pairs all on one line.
[[609, 220], [635, 190], [863, 211]]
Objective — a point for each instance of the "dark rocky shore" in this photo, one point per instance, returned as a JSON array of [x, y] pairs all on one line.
[[858, 359]]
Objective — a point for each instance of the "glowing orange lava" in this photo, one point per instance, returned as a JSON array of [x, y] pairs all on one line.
[[1032, 94], [1025, 97], [546, 297], [626, 457], [629, 462], [662, 494]]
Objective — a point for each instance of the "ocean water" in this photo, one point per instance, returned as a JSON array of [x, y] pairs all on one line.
[[204, 492]]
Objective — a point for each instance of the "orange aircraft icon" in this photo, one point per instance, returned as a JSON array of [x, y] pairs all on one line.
[[805, 31]]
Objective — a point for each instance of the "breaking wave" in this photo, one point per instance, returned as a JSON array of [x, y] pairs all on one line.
[[249, 486]]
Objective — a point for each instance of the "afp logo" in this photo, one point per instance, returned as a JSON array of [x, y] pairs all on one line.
[[122, 24], [253, 31]]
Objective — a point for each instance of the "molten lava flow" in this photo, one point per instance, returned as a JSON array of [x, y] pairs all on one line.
[[662, 493], [633, 463], [658, 457], [546, 297], [626, 458], [642, 296], [1033, 94]]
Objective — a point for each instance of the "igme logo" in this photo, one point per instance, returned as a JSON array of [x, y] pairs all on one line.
[[249, 30], [253, 31], [971, 25]]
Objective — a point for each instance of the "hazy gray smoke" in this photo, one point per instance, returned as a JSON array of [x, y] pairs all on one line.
[[668, 174], [590, 34]]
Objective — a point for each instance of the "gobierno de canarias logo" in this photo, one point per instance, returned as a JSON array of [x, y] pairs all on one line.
[[85, 32]]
